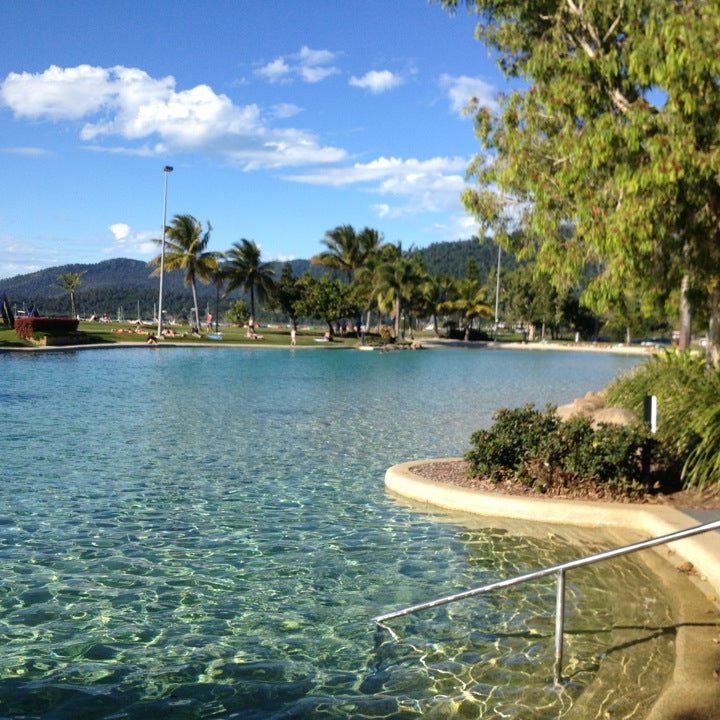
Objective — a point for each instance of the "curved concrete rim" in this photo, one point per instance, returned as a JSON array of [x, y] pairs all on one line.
[[693, 691]]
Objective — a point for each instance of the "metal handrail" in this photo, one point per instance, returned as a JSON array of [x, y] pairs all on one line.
[[560, 596]]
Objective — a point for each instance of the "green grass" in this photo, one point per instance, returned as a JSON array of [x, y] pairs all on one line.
[[94, 332]]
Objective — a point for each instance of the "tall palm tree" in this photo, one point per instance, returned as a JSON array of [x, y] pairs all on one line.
[[70, 282], [470, 302], [395, 279], [185, 249], [344, 252], [370, 242], [243, 269], [437, 290]]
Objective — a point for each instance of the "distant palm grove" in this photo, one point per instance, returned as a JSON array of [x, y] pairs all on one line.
[[357, 278]]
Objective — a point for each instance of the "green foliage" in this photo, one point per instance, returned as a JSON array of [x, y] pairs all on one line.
[[324, 299], [452, 258], [70, 282], [243, 269], [613, 129], [288, 292], [548, 455], [238, 314], [688, 394]]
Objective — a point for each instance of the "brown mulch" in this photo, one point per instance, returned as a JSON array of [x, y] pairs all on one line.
[[454, 472]]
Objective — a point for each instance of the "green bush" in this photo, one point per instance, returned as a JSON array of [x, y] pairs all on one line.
[[548, 455], [688, 393]]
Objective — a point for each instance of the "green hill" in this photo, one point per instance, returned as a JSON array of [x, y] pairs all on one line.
[[451, 258], [125, 285]]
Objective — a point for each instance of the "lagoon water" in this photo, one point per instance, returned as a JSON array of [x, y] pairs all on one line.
[[197, 533]]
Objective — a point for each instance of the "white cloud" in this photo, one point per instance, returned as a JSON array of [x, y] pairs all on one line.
[[310, 66], [18, 257], [27, 151], [275, 71], [432, 185], [284, 110], [132, 242], [128, 103], [377, 81], [460, 90], [459, 225]]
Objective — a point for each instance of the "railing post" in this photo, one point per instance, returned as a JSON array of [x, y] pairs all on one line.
[[559, 625]]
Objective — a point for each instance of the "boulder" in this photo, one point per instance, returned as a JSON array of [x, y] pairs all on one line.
[[614, 416], [597, 400], [567, 412]]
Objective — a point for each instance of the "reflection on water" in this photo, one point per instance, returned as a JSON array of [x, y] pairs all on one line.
[[205, 533]]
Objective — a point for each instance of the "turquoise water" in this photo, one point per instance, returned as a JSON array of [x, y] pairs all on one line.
[[198, 533]]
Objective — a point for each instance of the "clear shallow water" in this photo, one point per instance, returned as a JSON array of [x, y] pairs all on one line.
[[205, 533]]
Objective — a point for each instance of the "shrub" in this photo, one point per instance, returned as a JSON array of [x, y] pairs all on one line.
[[516, 435], [546, 454], [386, 334], [26, 326], [688, 393]]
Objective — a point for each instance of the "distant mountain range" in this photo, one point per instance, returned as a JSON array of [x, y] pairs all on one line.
[[122, 285]]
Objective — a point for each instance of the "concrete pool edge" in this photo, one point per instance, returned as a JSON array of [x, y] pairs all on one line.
[[694, 686]]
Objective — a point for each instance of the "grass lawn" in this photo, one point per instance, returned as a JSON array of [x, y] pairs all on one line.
[[95, 332]]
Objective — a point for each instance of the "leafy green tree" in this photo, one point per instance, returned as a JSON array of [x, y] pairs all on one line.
[[238, 313], [325, 299], [288, 292], [243, 269], [70, 282], [186, 250], [612, 133]]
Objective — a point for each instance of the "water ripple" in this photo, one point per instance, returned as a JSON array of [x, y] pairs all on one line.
[[205, 533]]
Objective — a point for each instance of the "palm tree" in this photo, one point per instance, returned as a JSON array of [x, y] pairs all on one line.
[[243, 269], [470, 302], [438, 289], [70, 282], [344, 251], [395, 279], [185, 249]]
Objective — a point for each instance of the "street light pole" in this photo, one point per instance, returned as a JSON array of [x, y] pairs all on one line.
[[167, 170], [497, 293]]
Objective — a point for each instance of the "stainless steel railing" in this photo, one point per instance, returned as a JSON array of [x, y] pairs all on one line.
[[560, 595]]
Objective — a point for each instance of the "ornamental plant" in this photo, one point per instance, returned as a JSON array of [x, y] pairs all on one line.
[[540, 451], [26, 326]]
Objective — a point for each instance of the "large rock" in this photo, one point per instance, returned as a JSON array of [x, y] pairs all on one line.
[[581, 407], [614, 416], [592, 406]]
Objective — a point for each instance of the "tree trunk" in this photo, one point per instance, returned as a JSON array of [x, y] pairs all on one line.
[[713, 346], [72, 305], [397, 317], [628, 335], [542, 332], [197, 312], [252, 303], [435, 325], [685, 315]]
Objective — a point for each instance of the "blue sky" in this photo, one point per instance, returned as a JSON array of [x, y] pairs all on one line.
[[282, 120]]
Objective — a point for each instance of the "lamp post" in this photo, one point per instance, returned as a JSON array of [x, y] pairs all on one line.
[[497, 294], [167, 170]]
